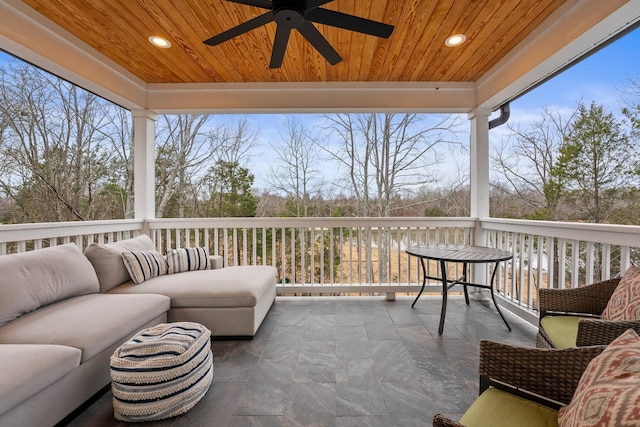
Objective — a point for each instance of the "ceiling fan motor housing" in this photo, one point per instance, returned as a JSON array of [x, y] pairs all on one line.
[[289, 13]]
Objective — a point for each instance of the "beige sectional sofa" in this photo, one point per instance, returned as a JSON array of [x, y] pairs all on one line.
[[63, 313]]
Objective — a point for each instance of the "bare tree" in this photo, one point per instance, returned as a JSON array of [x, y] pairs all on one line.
[[235, 141], [121, 139], [231, 145], [53, 147], [184, 148], [295, 173], [382, 155], [527, 158]]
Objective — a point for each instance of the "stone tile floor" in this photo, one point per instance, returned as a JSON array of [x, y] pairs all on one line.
[[350, 361]]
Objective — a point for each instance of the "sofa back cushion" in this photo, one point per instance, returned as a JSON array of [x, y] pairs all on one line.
[[36, 278], [107, 259]]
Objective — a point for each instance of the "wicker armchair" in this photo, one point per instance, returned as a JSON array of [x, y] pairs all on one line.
[[587, 302], [548, 377]]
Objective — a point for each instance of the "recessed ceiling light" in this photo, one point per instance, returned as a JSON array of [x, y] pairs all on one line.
[[160, 42], [455, 40]]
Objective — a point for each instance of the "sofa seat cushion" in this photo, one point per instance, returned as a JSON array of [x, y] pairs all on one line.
[[561, 330], [26, 369], [227, 287], [91, 323], [33, 279], [498, 408]]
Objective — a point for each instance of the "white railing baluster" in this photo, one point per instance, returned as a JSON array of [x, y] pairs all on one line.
[[274, 255], [216, 242], [332, 245], [322, 249], [551, 253], [398, 255], [294, 276], [311, 259], [625, 258], [530, 266], [521, 269], [575, 263], [283, 269], [351, 261], [562, 262], [605, 271], [540, 265], [590, 255], [514, 267], [341, 269], [244, 248], [225, 247], [263, 249]]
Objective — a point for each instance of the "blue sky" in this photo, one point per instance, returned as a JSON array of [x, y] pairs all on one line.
[[596, 78]]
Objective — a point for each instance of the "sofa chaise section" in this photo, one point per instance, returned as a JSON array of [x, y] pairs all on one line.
[[231, 301]]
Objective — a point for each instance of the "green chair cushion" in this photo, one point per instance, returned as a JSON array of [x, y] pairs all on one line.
[[561, 330], [497, 408]]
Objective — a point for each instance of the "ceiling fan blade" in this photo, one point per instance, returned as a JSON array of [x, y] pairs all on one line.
[[349, 22], [312, 4], [265, 4], [318, 41], [240, 29], [279, 46]]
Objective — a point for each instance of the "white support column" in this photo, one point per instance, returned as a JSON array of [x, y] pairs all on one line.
[[479, 180], [479, 162], [144, 163]]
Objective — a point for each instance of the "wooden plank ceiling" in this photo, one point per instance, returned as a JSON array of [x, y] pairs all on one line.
[[415, 51]]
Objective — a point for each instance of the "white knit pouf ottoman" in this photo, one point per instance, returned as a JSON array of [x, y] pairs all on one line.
[[161, 372]]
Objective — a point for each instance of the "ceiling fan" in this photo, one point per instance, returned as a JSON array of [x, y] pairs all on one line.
[[299, 15]]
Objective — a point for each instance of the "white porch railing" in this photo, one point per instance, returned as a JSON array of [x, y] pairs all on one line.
[[558, 255], [320, 255], [26, 237], [366, 255]]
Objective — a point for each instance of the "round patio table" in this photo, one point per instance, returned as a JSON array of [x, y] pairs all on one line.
[[465, 254]]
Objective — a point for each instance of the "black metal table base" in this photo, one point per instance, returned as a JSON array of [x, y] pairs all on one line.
[[448, 284]]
